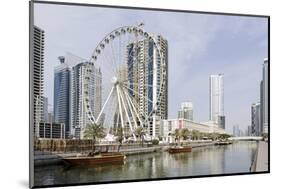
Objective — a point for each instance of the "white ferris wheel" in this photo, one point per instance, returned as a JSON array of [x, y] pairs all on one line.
[[125, 65]]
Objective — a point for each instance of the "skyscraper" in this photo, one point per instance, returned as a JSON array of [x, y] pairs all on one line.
[[38, 75], [264, 101], [61, 94], [144, 68], [255, 119], [236, 131], [261, 107], [79, 118], [186, 111], [216, 92], [45, 109]]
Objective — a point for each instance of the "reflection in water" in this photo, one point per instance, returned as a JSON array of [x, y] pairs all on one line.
[[233, 158]]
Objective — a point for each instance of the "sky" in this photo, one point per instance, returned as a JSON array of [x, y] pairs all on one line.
[[199, 45]]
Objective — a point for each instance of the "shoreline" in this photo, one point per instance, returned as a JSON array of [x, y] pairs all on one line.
[[260, 161], [48, 158]]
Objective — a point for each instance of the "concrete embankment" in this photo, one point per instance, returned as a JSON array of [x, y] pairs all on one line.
[[48, 158], [260, 162], [196, 145]]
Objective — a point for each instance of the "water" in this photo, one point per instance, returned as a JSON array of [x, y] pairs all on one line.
[[235, 158]]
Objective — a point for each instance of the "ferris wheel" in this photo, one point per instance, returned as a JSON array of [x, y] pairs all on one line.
[[122, 84]]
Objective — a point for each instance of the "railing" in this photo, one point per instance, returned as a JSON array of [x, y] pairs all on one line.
[[80, 146]]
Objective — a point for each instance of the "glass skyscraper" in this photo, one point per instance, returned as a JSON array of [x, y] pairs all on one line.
[[186, 111], [264, 97], [216, 95], [255, 119], [61, 94], [79, 118]]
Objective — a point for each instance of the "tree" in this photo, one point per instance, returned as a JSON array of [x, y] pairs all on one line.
[[94, 131], [177, 135], [120, 137], [185, 133], [140, 132], [224, 136], [195, 134]]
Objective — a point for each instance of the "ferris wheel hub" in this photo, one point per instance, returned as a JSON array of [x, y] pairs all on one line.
[[114, 80]]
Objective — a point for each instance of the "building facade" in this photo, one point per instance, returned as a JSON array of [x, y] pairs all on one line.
[[186, 111], [216, 99], [78, 117], [236, 131], [255, 119], [265, 98], [169, 126], [38, 75], [261, 107], [45, 109], [51, 130], [146, 77], [61, 95]]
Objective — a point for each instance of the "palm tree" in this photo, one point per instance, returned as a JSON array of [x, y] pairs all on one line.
[[120, 137], [94, 131], [185, 133], [195, 134], [140, 132], [177, 135], [224, 136]]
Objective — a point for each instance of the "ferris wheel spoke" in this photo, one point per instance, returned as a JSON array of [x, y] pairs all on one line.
[[126, 111], [110, 112], [133, 107], [131, 110], [138, 94], [120, 108], [107, 99], [145, 117]]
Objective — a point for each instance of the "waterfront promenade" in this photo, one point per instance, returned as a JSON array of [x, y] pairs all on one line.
[[260, 163], [47, 157]]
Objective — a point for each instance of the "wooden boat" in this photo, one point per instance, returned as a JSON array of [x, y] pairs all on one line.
[[223, 142], [180, 149], [102, 158]]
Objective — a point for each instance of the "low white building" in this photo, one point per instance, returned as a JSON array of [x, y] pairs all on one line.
[[169, 126]]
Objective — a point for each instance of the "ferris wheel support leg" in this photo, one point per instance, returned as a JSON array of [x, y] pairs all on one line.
[[134, 108], [126, 111], [110, 93], [130, 108], [120, 109]]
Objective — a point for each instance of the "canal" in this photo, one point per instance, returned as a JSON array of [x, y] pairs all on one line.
[[234, 158]]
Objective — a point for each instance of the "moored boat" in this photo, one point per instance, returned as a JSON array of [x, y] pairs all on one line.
[[102, 158], [180, 149], [223, 142]]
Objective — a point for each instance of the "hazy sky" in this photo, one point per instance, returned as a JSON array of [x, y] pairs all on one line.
[[199, 45]]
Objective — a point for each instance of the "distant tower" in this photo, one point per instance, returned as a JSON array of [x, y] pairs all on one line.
[[216, 92], [38, 75], [236, 131], [255, 119], [186, 111], [61, 94], [264, 95]]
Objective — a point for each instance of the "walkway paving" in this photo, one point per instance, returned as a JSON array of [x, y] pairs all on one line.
[[262, 157]]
